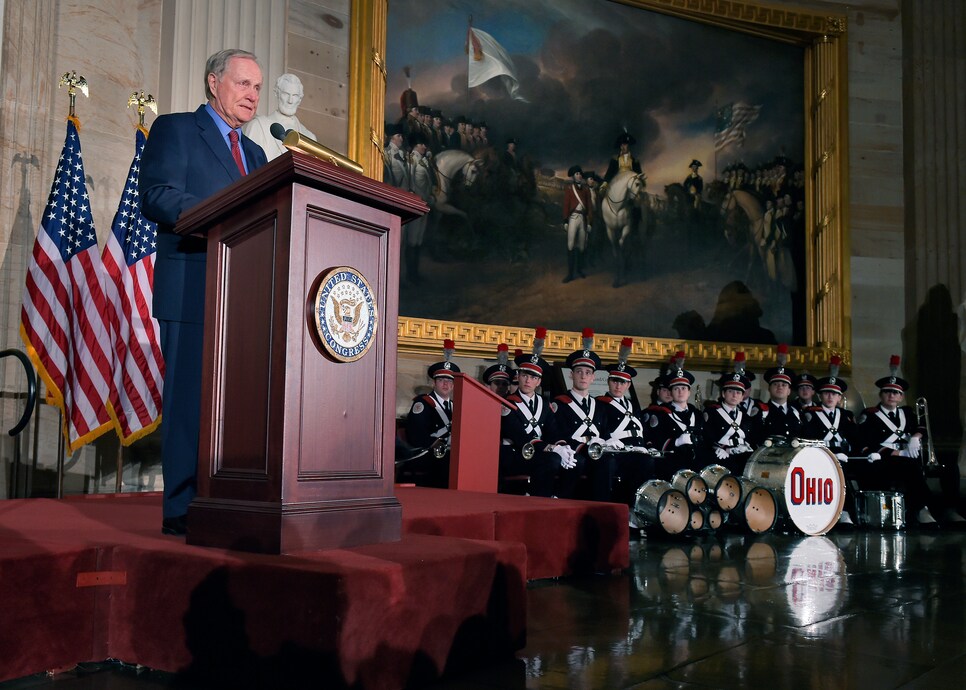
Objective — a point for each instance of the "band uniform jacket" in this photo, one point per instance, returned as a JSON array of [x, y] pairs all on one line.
[[722, 430], [577, 425], [880, 434], [621, 421], [775, 422], [428, 420], [838, 430], [667, 423], [576, 197], [517, 426]]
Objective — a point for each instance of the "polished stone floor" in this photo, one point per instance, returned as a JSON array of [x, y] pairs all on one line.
[[859, 609]]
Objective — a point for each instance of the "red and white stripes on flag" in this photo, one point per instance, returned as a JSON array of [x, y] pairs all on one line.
[[732, 120], [62, 319], [129, 264]]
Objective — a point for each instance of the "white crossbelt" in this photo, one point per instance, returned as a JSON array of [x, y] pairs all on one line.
[[630, 426], [587, 429], [735, 435], [831, 426], [898, 438]]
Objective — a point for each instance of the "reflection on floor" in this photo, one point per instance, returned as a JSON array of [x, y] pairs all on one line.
[[854, 609]]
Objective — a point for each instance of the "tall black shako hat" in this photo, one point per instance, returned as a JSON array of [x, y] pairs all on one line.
[[622, 371], [735, 379], [624, 138], [446, 368], [676, 375], [833, 382], [584, 357], [500, 370], [781, 373], [893, 382], [534, 364]]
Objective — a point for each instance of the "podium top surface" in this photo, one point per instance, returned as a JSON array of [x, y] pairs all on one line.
[[294, 167]]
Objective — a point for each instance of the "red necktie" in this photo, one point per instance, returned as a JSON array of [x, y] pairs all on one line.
[[236, 152]]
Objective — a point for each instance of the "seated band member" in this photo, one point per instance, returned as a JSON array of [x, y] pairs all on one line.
[[893, 441], [837, 429], [727, 428], [624, 428], [780, 418], [429, 422], [676, 429], [531, 426], [753, 408], [580, 422], [497, 376], [804, 385]]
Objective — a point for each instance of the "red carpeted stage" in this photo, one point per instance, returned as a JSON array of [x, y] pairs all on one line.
[[91, 578]]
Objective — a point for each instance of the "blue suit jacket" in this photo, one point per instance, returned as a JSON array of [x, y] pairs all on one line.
[[185, 161]]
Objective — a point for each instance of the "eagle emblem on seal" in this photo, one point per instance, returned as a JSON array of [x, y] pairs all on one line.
[[346, 322]]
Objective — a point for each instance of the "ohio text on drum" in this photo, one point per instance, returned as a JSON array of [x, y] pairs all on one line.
[[808, 481]]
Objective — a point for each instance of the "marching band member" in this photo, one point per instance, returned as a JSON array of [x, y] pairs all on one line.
[[835, 427], [804, 385], [624, 427], [531, 424], [580, 421], [780, 418], [497, 376], [727, 428], [430, 420], [675, 429], [893, 441]]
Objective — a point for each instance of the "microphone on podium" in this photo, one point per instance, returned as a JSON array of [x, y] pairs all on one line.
[[297, 141]]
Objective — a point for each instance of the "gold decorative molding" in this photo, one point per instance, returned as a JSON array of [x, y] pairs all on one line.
[[418, 336]]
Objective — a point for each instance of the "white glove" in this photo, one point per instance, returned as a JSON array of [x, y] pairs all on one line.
[[874, 457], [743, 448], [613, 443], [914, 447], [721, 453], [841, 457], [683, 440], [902, 454], [567, 458]]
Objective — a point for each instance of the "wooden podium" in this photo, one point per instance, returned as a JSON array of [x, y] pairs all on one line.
[[475, 446], [295, 451]]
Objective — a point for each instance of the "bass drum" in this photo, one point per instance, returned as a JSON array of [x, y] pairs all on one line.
[[807, 481]]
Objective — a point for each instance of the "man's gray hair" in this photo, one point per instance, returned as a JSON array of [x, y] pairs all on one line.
[[218, 63]]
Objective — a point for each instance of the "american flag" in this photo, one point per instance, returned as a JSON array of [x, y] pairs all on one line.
[[129, 264], [731, 123], [62, 318]]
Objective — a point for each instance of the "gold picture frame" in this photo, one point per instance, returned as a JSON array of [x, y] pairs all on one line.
[[828, 327]]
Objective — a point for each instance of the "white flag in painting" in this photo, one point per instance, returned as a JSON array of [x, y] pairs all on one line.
[[488, 59]]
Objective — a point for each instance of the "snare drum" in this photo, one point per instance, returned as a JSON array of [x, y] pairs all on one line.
[[691, 485], [724, 489], [881, 509], [657, 503], [807, 481], [758, 509]]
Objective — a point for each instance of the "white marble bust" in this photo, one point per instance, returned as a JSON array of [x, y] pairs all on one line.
[[288, 94]]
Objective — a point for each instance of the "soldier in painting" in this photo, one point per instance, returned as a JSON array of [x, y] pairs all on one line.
[[578, 215]]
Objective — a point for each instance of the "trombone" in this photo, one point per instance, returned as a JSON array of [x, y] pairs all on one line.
[[922, 417]]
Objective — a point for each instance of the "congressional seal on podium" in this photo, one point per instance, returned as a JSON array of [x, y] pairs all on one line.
[[345, 313]]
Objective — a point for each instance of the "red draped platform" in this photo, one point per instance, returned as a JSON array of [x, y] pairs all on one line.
[[92, 578]]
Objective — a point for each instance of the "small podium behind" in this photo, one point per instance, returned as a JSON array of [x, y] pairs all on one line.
[[475, 447], [295, 452]]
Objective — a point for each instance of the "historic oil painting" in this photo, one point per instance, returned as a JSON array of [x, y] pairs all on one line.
[[594, 164]]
